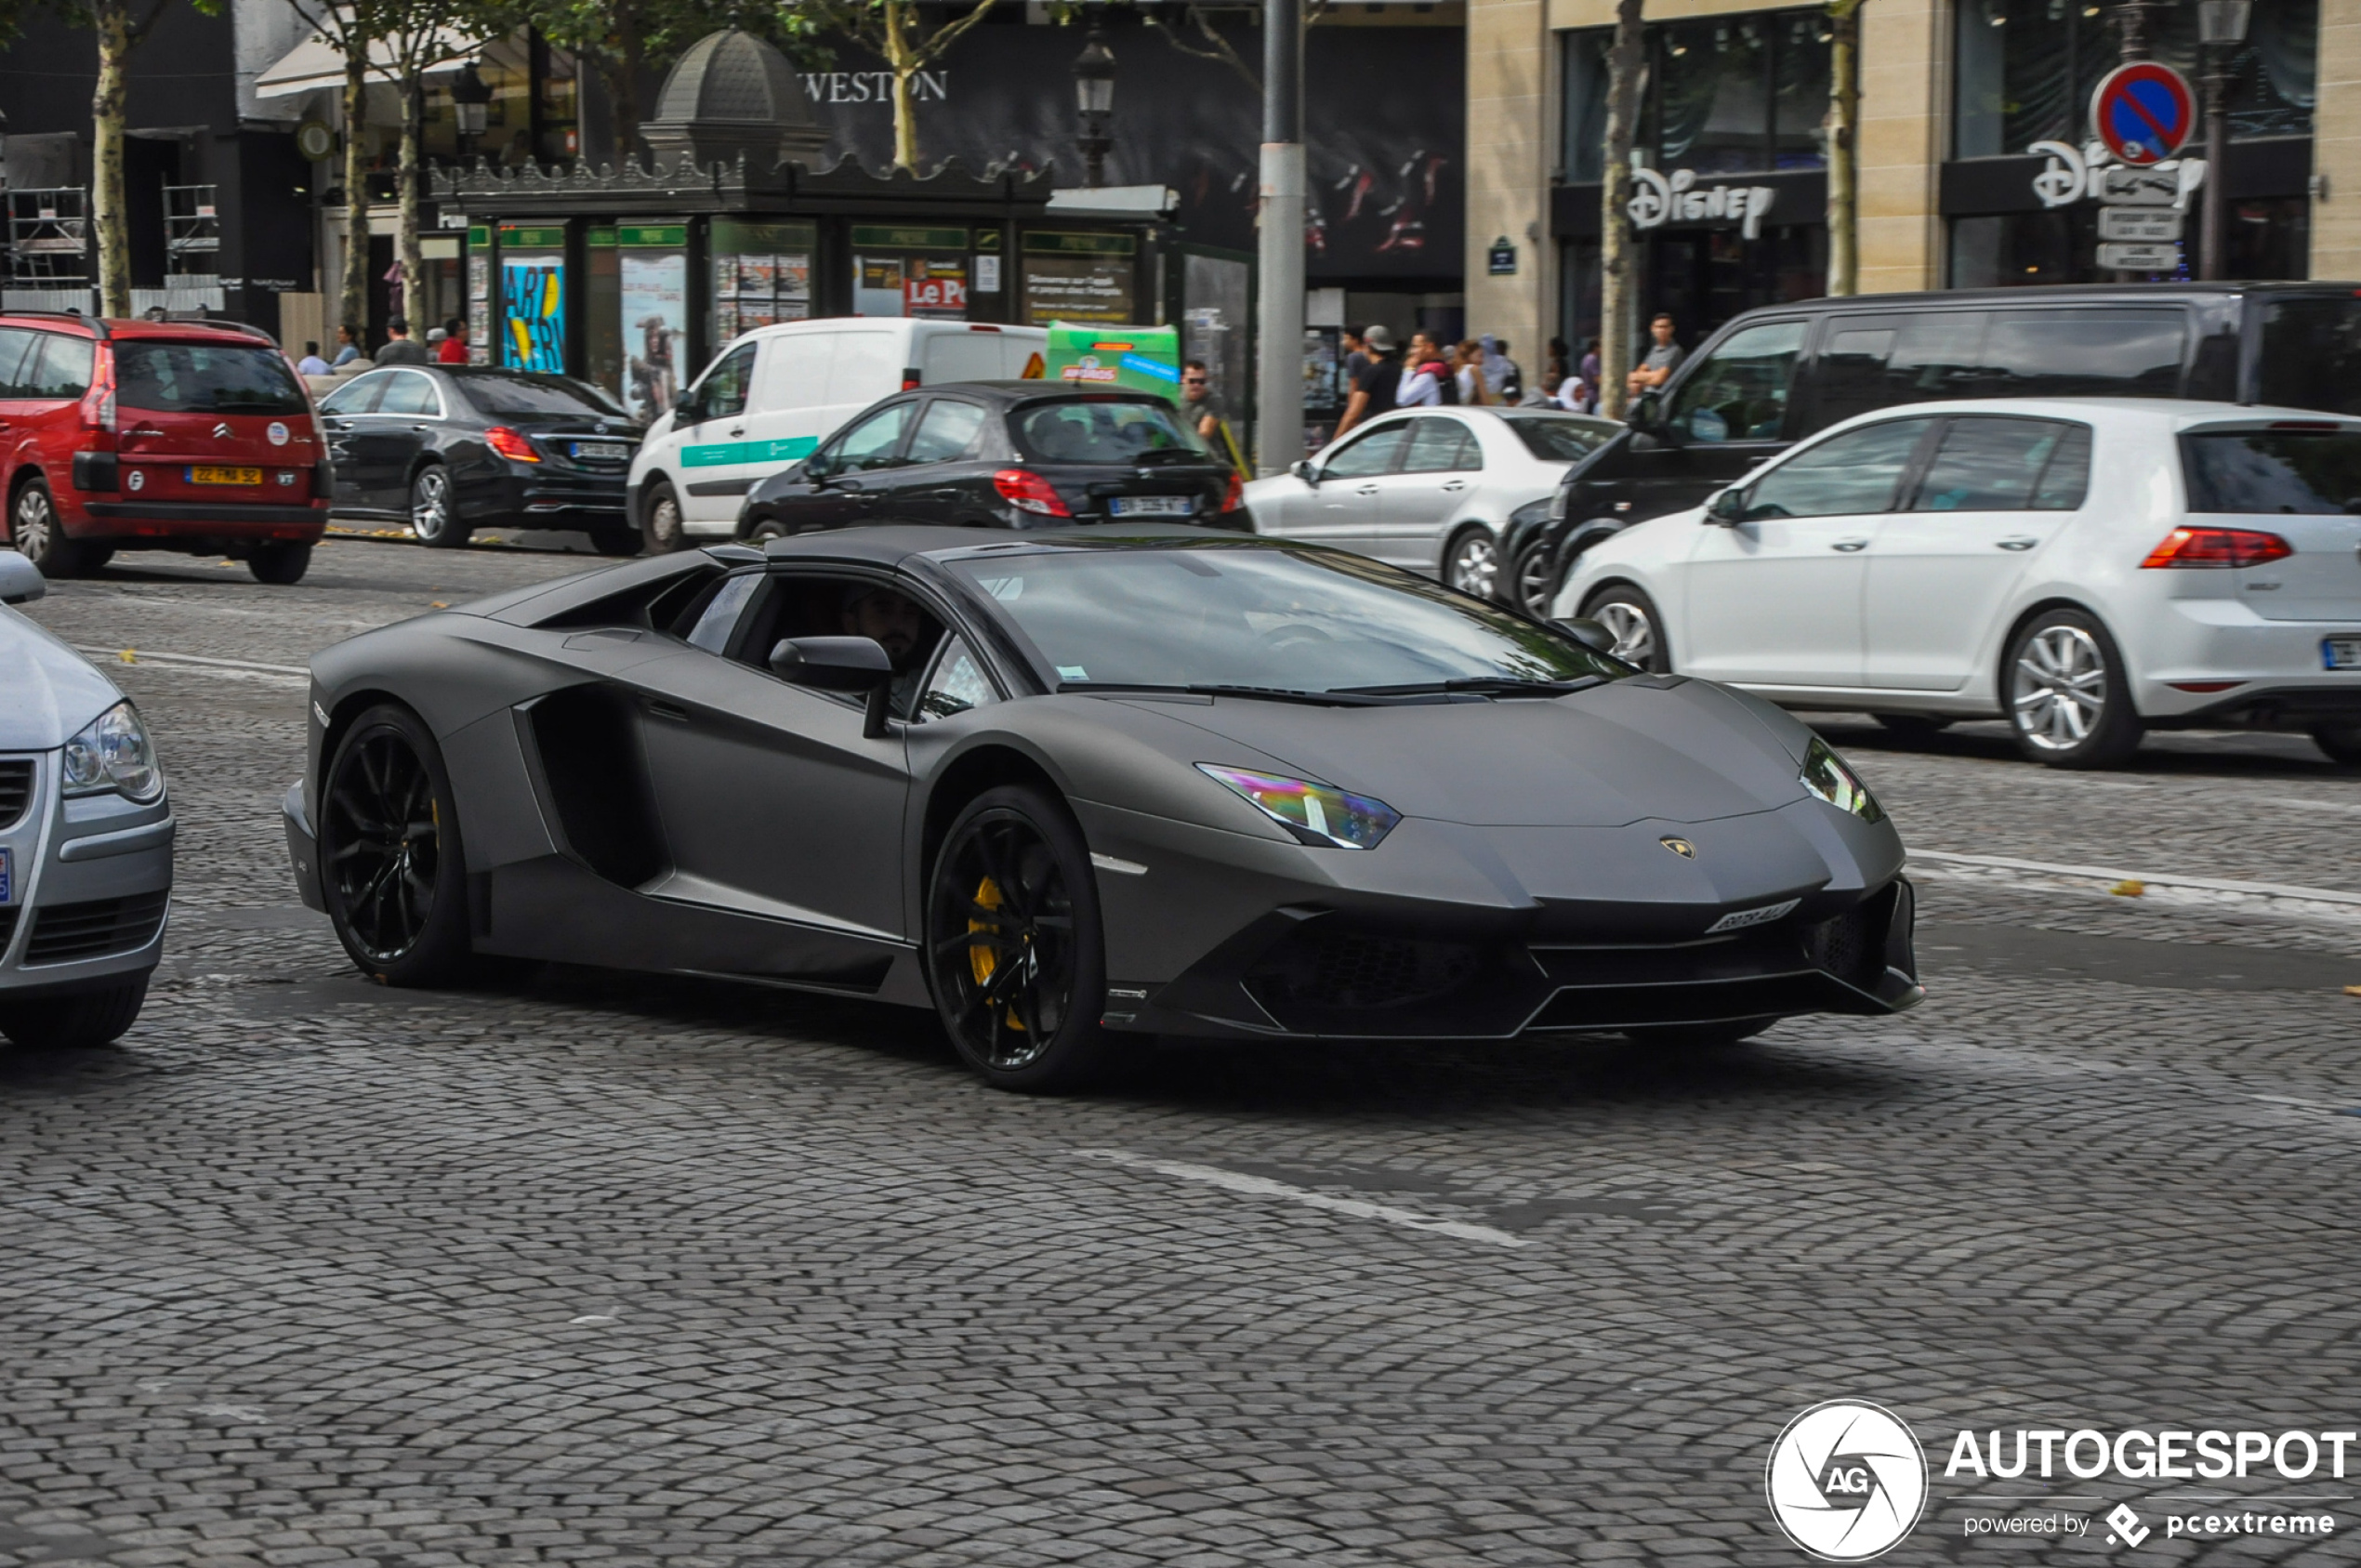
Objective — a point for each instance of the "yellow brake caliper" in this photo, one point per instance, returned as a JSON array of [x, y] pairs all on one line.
[[982, 962]]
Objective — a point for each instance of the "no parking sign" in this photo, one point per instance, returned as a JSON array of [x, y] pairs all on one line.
[[2142, 111]]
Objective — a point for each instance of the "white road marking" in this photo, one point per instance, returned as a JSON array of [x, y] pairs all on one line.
[[1263, 1187], [2159, 886], [243, 666]]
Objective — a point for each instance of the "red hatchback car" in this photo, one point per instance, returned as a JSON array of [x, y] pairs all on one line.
[[135, 435]]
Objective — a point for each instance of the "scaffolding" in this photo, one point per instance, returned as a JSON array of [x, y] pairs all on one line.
[[49, 237], [192, 231]]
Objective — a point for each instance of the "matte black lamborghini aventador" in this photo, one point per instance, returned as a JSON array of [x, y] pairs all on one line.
[[1070, 787]]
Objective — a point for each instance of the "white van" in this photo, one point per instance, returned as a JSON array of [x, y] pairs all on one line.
[[774, 393]]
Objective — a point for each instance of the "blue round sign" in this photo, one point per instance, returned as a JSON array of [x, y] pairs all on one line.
[[2143, 112]]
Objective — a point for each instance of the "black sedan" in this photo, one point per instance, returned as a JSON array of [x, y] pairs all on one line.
[[1078, 789], [1002, 455], [449, 449]]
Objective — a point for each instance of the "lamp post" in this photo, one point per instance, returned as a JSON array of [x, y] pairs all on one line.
[[469, 95], [1278, 382], [1094, 95], [2221, 27]]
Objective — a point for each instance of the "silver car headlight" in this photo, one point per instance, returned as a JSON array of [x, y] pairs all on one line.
[[1826, 775], [112, 752]]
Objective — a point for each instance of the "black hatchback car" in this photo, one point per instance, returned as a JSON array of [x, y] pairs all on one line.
[[449, 449], [1002, 455]]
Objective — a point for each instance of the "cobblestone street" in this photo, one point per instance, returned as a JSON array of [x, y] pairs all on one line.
[[576, 1268]]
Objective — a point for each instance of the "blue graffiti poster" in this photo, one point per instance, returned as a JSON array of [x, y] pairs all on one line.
[[533, 318]]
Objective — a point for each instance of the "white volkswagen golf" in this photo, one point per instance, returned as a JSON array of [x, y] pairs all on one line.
[[2088, 568]]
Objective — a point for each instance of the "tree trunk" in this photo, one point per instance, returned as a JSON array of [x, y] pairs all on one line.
[[353, 301], [1844, 118], [108, 216], [623, 81], [903, 62], [414, 261], [1618, 301]]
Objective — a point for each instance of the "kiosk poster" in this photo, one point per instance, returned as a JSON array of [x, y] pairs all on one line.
[[533, 292], [1138, 359], [655, 325]]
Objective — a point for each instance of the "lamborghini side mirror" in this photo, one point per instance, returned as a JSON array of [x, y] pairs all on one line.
[[1592, 635]]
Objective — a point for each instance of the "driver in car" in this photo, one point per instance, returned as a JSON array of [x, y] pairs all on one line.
[[900, 626]]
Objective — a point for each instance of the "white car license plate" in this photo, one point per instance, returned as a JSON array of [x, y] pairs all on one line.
[[1152, 506], [601, 451], [2341, 653], [7, 880]]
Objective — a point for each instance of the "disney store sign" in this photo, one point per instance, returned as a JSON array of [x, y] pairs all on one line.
[[1658, 198], [2073, 172]]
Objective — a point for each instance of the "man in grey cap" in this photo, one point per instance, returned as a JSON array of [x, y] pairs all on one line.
[[1373, 388]]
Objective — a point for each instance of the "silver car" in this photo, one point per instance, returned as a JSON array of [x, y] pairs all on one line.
[[1428, 488], [85, 839]]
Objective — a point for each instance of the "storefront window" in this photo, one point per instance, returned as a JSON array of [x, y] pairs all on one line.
[[2270, 237], [1725, 95], [910, 271], [2026, 68], [761, 274]]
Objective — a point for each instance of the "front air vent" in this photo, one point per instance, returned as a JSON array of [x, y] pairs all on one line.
[[16, 788], [66, 933]]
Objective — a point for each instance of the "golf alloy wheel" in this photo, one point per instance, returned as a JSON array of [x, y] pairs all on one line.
[[2060, 692], [1631, 616], [1474, 566]]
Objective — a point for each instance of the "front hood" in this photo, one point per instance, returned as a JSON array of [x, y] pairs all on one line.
[[1667, 749], [47, 691]]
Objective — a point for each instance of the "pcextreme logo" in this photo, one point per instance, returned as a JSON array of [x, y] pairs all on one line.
[[1846, 1480]]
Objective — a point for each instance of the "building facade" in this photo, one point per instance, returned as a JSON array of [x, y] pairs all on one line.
[[1730, 209]]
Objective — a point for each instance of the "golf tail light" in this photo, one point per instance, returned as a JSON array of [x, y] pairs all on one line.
[[1826, 776], [1315, 813], [2219, 547], [511, 444], [112, 752], [1028, 492]]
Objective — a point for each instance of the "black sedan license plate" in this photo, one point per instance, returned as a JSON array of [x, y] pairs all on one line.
[[2341, 653], [1152, 506], [601, 451]]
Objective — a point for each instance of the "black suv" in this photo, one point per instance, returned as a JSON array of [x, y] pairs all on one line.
[[1002, 455], [1774, 376]]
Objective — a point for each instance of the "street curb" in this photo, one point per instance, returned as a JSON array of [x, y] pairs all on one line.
[[2272, 899]]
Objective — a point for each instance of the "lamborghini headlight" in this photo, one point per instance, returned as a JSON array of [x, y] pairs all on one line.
[[1315, 813], [112, 753], [1826, 775]]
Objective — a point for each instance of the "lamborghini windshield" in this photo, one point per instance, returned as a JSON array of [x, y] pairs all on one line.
[[1270, 618]]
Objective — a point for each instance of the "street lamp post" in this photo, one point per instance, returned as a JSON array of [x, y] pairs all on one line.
[[2221, 27], [1278, 382], [1094, 95]]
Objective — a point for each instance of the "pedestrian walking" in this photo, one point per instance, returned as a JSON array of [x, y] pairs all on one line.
[[1374, 387], [453, 350], [1426, 380], [347, 345], [1664, 357], [399, 349], [1592, 371], [1357, 355], [1468, 368], [1501, 373], [311, 363]]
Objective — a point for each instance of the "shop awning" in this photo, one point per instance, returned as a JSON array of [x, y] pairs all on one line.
[[316, 63]]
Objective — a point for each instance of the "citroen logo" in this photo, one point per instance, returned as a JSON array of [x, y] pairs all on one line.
[[221, 431], [1681, 846]]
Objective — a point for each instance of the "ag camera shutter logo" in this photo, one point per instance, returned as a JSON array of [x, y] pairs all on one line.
[[1846, 1480]]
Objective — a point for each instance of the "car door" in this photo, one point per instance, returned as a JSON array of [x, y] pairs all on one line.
[[1994, 492], [29, 423], [1344, 508], [718, 464], [393, 433], [1440, 466], [1775, 598], [1728, 412], [341, 413], [944, 479], [773, 801], [787, 413], [852, 473]]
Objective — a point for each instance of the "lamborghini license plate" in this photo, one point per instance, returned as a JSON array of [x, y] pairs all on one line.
[[1152, 506], [2341, 653], [215, 473]]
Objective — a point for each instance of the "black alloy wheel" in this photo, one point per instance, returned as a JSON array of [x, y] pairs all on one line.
[[390, 866], [282, 563], [37, 534], [1014, 951], [434, 517], [660, 521]]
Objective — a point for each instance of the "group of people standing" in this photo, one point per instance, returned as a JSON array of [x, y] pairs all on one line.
[[1382, 375]]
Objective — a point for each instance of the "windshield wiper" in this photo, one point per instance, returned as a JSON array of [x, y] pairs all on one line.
[[1484, 685], [1269, 693]]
